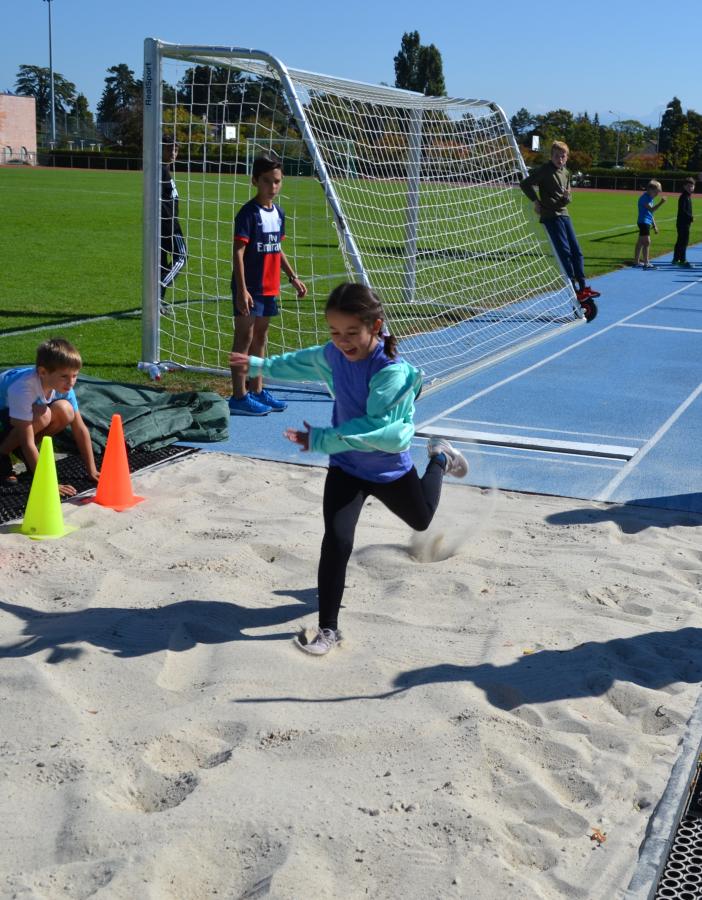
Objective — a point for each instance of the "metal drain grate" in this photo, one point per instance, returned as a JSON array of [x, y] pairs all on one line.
[[682, 875], [13, 498]]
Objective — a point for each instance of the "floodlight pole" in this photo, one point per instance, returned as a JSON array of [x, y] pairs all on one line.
[[51, 73]]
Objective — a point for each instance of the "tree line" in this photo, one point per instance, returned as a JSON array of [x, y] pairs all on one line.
[[118, 111], [676, 143], [418, 67]]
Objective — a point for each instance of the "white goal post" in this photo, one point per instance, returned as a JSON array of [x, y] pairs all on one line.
[[416, 196]]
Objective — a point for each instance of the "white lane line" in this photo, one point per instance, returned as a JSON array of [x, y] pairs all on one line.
[[529, 428], [533, 456], [73, 191], [498, 384], [629, 467], [626, 226], [72, 323], [662, 328], [525, 442]]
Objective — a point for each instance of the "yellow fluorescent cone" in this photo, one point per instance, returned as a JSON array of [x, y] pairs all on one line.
[[43, 517]]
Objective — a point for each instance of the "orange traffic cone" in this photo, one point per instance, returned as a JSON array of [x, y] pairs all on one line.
[[114, 486]]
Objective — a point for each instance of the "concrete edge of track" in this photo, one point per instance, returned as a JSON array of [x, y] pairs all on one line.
[[664, 821]]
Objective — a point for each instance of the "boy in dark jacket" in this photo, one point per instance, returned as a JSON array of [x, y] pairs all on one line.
[[683, 222], [174, 252]]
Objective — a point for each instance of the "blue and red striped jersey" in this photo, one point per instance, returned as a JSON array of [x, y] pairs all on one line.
[[262, 230]]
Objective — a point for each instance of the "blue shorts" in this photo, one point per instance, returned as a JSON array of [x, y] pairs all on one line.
[[263, 306]]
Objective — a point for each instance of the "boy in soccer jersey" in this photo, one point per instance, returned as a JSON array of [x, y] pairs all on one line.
[[39, 400], [259, 229], [553, 182], [645, 221]]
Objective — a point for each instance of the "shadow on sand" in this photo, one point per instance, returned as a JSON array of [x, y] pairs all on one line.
[[638, 515], [137, 632], [653, 660]]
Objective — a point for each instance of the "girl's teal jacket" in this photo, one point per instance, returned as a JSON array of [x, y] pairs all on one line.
[[388, 423]]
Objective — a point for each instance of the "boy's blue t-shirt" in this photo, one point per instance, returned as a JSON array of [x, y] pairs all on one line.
[[262, 230], [351, 389], [645, 214], [32, 389]]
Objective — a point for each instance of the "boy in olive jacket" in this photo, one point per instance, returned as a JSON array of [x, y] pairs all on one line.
[[553, 182]]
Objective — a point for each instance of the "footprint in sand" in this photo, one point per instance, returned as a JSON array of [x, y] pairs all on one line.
[[187, 750], [635, 609], [166, 772], [77, 880], [615, 599], [148, 791], [303, 492]]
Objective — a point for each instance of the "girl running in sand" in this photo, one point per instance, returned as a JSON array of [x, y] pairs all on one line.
[[368, 443]]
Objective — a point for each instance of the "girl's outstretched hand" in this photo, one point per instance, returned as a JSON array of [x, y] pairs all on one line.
[[299, 437], [239, 361]]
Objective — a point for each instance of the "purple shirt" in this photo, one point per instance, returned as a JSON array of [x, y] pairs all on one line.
[[351, 390]]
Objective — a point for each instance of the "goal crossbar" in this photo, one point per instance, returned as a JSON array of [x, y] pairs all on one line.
[[415, 196]]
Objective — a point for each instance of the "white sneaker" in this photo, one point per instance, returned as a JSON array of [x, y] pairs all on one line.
[[324, 641], [456, 463]]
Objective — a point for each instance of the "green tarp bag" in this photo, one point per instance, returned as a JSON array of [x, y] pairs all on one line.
[[152, 417]]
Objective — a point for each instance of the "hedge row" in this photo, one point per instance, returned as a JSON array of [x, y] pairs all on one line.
[[658, 174]]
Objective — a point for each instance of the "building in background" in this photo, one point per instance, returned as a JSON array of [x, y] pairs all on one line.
[[18, 130]]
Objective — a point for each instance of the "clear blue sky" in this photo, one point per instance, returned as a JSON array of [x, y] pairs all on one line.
[[593, 57]]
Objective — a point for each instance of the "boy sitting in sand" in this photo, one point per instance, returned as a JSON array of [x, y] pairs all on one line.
[[39, 400]]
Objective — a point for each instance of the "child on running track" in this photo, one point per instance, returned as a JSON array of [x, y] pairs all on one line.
[[683, 222], [368, 442], [646, 222]]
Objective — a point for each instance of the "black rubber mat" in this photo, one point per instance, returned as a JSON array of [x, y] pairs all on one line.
[[70, 470], [682, 875]]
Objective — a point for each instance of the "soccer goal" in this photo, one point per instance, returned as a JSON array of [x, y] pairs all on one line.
[[416, 196]]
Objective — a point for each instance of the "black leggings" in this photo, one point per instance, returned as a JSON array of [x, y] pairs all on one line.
[[680, 251], [173, 246], [412, 498]]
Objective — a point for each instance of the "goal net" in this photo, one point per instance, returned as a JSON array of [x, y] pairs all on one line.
[[416, 196]]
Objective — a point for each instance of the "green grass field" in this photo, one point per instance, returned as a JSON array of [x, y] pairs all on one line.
[[72, 242]]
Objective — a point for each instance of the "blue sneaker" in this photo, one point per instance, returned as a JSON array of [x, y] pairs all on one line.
[[269, 400], [247, 406]]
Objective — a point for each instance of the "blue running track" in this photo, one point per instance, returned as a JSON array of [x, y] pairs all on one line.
[[609, 411]]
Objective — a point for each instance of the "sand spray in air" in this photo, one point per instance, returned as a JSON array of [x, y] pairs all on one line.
[[444, 539]]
